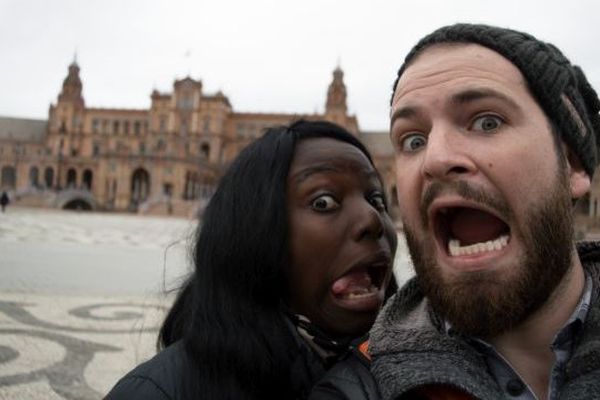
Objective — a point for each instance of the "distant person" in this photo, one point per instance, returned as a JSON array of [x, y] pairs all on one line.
[[291, 263], [496, 137], [4, 200]]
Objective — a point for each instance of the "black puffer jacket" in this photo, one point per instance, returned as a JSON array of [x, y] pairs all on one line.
[[350, 379], [164, 377]]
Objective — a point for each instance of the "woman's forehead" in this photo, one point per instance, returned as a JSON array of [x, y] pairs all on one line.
[[316, 154]]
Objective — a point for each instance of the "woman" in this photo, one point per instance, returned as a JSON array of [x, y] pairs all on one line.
[[291, 262]]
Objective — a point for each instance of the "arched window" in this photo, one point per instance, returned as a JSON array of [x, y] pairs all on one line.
[[34, 176], [71, 178], [205, 151], [8, 178], [191, 188], [87, 179], [49, 177], [140, 186]]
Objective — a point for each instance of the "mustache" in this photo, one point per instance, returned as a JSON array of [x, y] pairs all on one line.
[[467, 191]]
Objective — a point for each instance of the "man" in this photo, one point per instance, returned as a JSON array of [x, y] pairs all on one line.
[[495, 135]]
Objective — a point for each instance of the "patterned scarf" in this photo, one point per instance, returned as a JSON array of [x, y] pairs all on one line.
[[328, 349]]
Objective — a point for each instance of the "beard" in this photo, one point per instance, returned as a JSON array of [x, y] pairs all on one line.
[[488, 303]]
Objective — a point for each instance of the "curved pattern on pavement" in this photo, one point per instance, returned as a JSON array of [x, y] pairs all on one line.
[[18, 312], [33, 349]]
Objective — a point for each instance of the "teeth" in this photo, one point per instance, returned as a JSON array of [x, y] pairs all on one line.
[[455, 249], [361, 292]]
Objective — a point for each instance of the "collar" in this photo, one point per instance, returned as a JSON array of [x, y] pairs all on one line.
[[326, 347]]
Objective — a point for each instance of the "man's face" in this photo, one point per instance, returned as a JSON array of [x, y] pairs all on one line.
[[484, 194]]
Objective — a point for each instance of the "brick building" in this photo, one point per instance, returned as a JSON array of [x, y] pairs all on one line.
[[165, 159]]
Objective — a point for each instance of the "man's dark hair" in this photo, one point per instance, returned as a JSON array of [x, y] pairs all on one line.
[[559, 87]]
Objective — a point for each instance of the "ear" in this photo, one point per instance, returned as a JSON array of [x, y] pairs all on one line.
[[579, 180]]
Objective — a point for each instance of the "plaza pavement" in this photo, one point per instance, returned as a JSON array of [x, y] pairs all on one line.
[[82, 296]]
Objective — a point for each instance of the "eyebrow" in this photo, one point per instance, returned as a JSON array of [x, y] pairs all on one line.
[[304, 174], [471, 95], [461, 98], [403, 112]]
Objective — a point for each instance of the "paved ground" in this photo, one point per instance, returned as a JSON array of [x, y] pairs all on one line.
[[82, 296]]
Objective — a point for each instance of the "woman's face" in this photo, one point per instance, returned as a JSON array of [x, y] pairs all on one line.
[[342, 240]]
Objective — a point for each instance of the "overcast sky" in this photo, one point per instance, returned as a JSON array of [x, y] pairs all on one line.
[[265, 55]]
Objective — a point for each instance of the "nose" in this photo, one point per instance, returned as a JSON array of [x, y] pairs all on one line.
[[446, 156], [368, 223]]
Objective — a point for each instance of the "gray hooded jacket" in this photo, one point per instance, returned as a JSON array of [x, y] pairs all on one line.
[[410, 348]]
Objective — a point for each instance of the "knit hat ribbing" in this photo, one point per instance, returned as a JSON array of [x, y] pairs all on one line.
[[560, 88]]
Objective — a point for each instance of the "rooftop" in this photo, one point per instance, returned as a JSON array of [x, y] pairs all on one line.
[[22, 129]]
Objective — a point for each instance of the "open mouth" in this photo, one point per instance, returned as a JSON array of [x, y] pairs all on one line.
[[466, 231], [361, 282]]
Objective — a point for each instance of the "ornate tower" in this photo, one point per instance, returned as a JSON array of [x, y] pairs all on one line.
[[336, 109], [72, 86], [336, 94], [65, 136], [66, 116]]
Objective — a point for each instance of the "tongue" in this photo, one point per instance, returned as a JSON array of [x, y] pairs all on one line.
[[352, 282], [475, 226]]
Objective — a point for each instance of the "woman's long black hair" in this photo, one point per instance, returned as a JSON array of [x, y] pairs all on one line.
[[229, 312]]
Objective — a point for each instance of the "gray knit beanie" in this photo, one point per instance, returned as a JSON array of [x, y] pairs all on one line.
[[560, 88]]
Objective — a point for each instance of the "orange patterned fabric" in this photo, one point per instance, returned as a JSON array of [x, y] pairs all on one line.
[[364, 349]]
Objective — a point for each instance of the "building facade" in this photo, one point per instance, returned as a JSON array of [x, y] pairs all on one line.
[[161, 160]]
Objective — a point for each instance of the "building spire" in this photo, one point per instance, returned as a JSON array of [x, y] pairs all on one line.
[[336, 93], [72, 86]]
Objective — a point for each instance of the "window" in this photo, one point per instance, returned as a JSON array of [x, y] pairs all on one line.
[[240, 129], [186, 102], [136, 127], [204, 150], [88, 177], [116, 127], [95, 149], [34, 176], [126, 127], [8, 177], [183, 130], [49, 177], [95, 126], [162, 124], [71, 178]]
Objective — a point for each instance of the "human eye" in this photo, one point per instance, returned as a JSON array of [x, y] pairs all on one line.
[[413, 142], [325, 203], [377, 200], [487, 123]]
